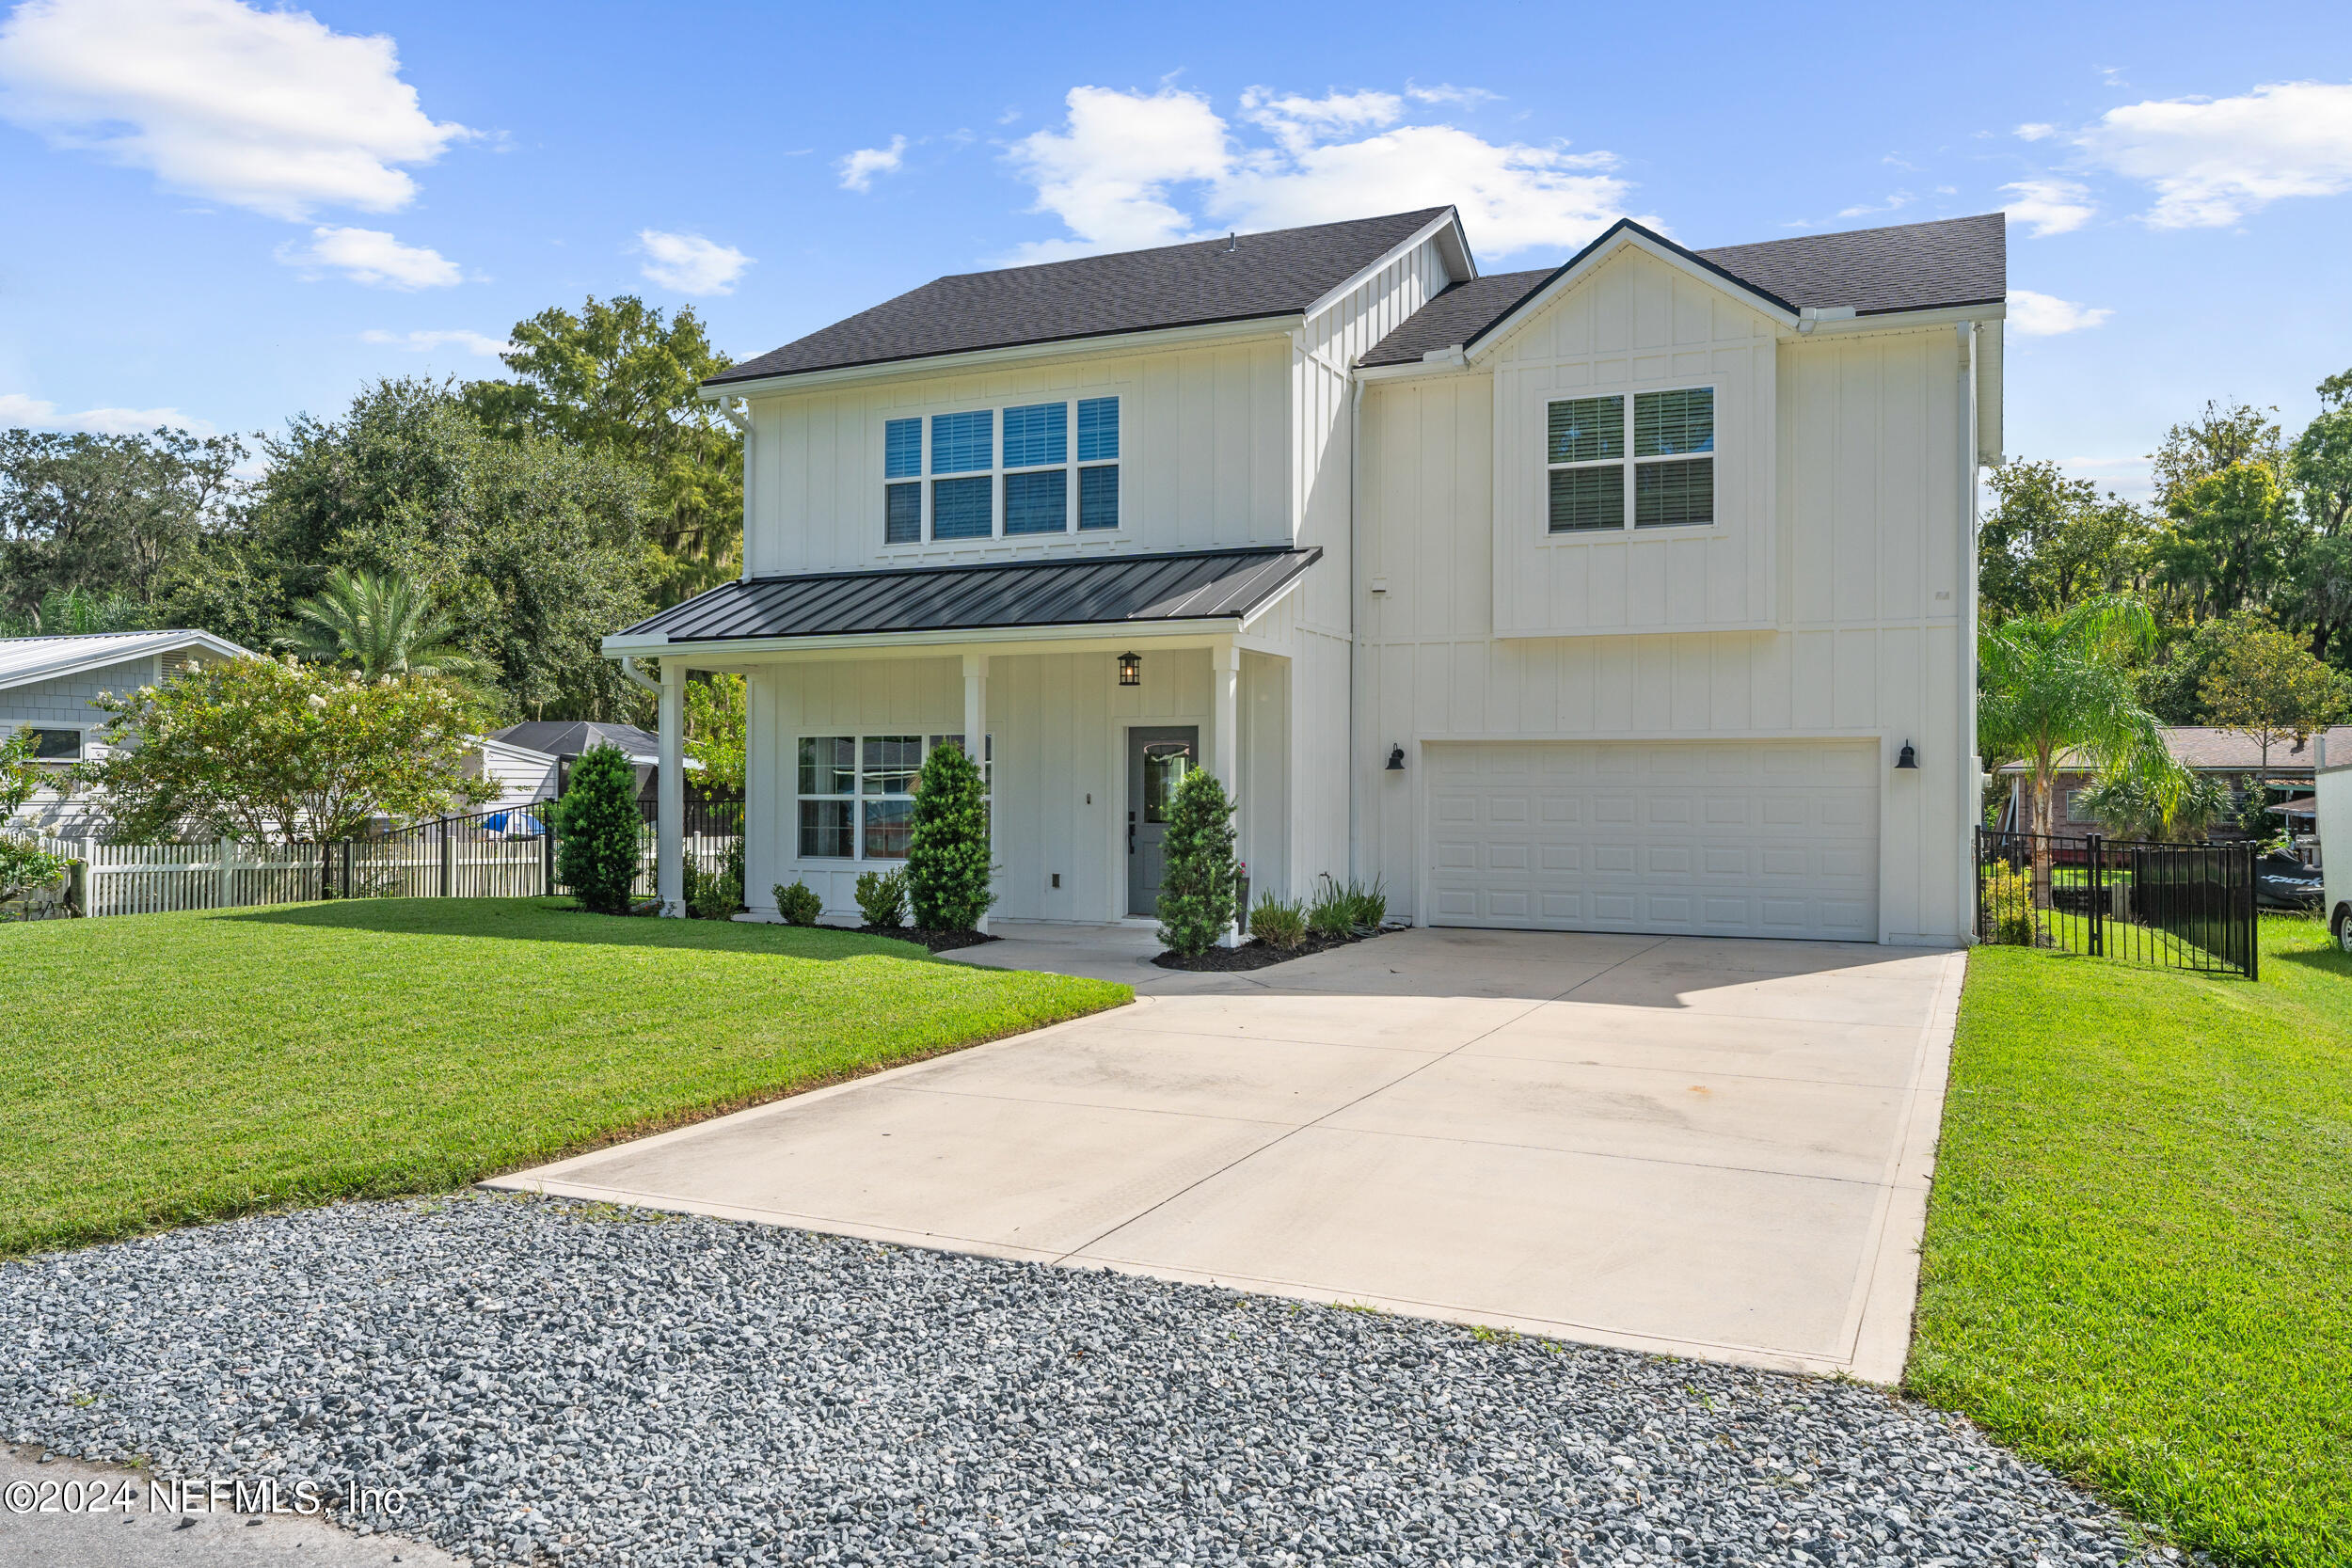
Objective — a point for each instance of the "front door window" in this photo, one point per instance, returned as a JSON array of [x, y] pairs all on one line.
[[1157, 761]]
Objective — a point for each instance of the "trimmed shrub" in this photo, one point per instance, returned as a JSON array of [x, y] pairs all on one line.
[[1197, 883], [798, 904], [881, 897], [946, 869], [715, 894], [1279, 924], [598, 827]]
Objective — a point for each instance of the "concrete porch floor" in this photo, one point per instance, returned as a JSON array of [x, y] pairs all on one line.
[[1708, 1148]]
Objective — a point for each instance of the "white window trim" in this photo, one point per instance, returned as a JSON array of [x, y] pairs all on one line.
[[1628, 463], [81, 749], [857, 796], [996, 473]]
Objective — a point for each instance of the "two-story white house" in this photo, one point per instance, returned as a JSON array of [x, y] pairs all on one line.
[[1636, 593]]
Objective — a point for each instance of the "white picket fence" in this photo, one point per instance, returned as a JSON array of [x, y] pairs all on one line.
[[154, 878]]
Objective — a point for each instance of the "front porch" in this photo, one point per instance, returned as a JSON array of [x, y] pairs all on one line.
[[1086, 685]]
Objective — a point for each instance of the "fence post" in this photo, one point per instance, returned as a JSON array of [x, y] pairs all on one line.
[[223, 884], [348, 884], [2096, 879], [78, 889], [547, 857], [2253, 923], [448, 862]]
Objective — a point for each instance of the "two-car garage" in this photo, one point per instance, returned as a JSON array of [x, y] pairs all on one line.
[[1712, 838]]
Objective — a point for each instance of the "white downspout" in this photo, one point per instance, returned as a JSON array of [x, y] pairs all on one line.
[[1354, 631], [1967, 660]]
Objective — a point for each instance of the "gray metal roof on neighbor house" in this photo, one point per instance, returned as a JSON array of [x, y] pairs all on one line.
[[572, 736], [1910, 266], [1192, 585], [1276, 274]]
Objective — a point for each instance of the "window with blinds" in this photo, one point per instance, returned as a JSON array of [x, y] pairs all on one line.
[[1055, 465], [1614, 462]]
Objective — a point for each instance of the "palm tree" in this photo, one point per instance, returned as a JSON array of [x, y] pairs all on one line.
[[381, 625], [2053, 687]]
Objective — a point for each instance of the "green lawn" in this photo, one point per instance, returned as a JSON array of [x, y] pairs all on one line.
[[158, 1069], [2138, 1258]]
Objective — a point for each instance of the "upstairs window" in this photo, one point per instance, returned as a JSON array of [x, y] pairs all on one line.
[[980, 482], [1658, 473]]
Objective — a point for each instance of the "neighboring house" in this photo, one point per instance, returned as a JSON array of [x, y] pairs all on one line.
[[1613, 596], [46, 685], [2223, 753], [535, 759]]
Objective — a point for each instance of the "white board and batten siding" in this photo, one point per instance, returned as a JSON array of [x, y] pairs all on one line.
[[1833, 626]]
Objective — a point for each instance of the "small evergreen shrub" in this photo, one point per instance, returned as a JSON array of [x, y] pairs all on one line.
[[715, 894], [881, 897], [946, 869], [1279, 924], [798, 904], [1197, 880], [599, 828]]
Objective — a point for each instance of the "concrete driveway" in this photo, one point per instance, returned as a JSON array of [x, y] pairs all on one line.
[[1709, 1148]]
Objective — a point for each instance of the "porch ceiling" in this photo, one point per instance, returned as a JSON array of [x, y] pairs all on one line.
[[1113, 592]]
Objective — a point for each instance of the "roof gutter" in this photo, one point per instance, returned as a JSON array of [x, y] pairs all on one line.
[[934, 639], [1010, 353]]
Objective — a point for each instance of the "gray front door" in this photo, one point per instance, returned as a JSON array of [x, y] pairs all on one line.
[[1157, 761]]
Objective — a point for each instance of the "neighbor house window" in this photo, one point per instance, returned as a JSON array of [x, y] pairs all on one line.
[[1001, 473], [857, 792], [1658, 473], [57, 745]]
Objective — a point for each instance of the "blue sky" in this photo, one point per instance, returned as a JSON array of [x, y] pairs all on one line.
[[222, 213]]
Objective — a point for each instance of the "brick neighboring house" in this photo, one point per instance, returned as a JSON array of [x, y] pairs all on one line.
[[2222, 752]]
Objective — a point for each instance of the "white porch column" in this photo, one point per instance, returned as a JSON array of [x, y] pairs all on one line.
[[670, 798], [976, 742], [1225, 744]]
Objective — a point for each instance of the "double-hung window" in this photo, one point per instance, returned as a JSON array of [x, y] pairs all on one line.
[[960, 476], [857, 792], [1647, 461]]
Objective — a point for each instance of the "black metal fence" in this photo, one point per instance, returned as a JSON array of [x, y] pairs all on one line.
[[2171, 905], [507, 852]]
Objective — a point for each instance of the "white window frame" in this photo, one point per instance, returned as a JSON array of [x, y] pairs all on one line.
[[857, 796], [998, 471], [1629, 462], [81, 744]]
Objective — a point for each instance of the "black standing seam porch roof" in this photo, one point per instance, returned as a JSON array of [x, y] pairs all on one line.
[[1112, 590]]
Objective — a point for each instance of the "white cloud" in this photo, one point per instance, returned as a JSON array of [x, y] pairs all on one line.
[[18, 410], [859, 168], [135, 421], [690, 263], [2036, 131], [424, 342], [2213, 161], [1128, 170], [2033, 315], [2050, 206], [372, 257], [1896, 201], [1446, 92], [269, 110]]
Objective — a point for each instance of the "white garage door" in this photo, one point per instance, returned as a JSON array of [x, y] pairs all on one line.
[[1716, 838]]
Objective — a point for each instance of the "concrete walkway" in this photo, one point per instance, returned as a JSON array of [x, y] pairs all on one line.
[[1709, 1148]]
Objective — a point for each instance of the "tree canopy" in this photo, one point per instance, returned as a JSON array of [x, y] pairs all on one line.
[[618, 380], [108, 517]]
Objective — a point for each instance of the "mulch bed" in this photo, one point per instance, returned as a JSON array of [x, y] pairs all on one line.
[[938, 941], [1255, 954]]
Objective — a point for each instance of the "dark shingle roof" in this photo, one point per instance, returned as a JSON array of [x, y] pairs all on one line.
[[1179, 285], [1910, 266], [1186, 586]]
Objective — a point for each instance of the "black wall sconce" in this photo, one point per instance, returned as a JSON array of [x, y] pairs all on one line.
[[1131, 669], [1907, 758], [1396, 759]]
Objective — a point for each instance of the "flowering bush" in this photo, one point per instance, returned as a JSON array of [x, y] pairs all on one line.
[[260, 749]]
